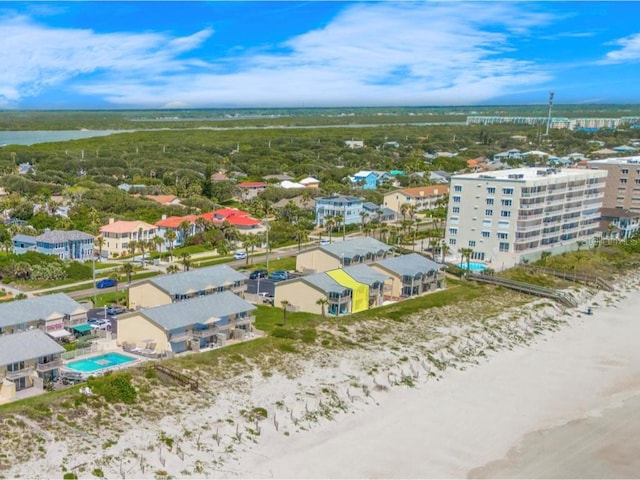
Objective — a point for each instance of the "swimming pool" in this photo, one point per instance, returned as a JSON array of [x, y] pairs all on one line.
[[473, 266], [100, 362]]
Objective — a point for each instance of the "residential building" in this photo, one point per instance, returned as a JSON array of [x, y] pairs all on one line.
[[410, 275], [66, 245], [354, 143], [242, 221], [178, 327], [342, 254], [166, 200], [249, 190], [179, 227], [512, 215], [349, 290], [344, 207], [27, 359], [622, 186], [369, 179], [439, 176], [373, 212], [53, 314], [289, 185], [176, 287], [310, 182], [618, 223], [118, 235], [427, 197], [220, 176]]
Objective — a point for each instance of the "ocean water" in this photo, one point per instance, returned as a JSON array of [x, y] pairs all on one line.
[[32, 137]]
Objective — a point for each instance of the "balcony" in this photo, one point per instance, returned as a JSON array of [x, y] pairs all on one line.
[[249, 319], [208, 332], [180, 337], [48, 366], [24, 372]]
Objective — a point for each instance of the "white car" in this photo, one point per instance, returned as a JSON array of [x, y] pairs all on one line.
[[239, 256], [102, 324]]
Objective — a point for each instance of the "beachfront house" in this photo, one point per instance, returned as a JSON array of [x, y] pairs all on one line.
[[66, 245], [118, 235], [199, 323], [342, 254], [343, 207], [177, 287], [58, 315], [411, 275], [27, 359], [618, 223]]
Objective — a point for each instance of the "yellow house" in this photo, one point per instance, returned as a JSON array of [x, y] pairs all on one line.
[[118, 235], [341, 254], [190, 325], [27, 359], [167, 289], [410, 275]]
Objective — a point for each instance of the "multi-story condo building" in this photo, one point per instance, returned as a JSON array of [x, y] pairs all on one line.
[[510, 215], [345, 207], [622, 188]]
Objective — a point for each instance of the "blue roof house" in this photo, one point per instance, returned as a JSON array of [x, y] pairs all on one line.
[[346, 207], [23, 243]]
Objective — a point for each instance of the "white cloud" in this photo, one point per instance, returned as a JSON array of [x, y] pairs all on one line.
[[375, 53], [629, 51]]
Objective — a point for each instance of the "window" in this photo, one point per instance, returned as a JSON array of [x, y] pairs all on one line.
[[506, 202], [486, 234], [637, 181], [503, 235], [472, 243], [453, 220], [504, 247], [453, 231], [507, 191], [625, 171], [491, 190], [505, 213], [490, 201], [452, 241], [623, 180], [456, 209], [486, 222], [488, 212], [503, 224], [457, 188], [456, 199]]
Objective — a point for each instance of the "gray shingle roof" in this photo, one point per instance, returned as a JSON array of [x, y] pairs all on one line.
[[365, 274], [27, 345], [28, 310], [411, 264], [325, 283], [355, 246], [197, 310], [60, 236], [198, 279], [20, 237]]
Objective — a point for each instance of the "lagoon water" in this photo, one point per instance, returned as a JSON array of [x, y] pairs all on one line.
[[31, 137]]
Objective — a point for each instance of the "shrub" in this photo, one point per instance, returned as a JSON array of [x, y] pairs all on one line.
[[309, 335], [287, 333], [114, 387], [70, 476]]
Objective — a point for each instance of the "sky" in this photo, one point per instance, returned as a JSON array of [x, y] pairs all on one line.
[[183, 54]]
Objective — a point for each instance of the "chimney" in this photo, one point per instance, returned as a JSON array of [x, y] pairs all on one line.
[[111, 220], [164, 216]]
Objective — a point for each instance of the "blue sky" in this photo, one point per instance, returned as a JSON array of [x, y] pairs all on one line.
[[123, 54]]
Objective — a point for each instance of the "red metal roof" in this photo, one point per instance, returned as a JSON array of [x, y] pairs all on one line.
[[252, 185]]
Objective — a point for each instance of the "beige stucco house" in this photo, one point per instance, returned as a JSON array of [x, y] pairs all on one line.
[[167, 289], [341, 254], [189, 325], [410, 275], [118, 235], [420, 198]]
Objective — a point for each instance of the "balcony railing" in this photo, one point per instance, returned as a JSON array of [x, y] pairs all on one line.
[[48, 366], [180, 337], [24, 372], [209, 332]]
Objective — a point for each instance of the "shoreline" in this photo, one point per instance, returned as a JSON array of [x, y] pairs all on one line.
[[441, 406]]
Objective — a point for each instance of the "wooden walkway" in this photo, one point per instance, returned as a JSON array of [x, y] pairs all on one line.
[[583, 278], [181, 378], [528, 288]]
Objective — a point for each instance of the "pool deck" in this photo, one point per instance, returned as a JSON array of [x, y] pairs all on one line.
[[137, 360]]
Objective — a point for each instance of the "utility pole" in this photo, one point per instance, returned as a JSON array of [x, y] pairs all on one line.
[[267, 254]]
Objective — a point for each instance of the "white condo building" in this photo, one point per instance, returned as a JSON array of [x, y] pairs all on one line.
[[507, 216]]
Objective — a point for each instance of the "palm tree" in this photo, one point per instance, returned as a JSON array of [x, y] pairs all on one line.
[[285, 304], [100, 244], [171, 238], [127, 269], [186, 260], [329, 222], [116, 278], [302, 235], [466, 253], [158, 242], [172, 269], [444, 249], [142, 246], [185, 228], [133, 245], [323, 302]]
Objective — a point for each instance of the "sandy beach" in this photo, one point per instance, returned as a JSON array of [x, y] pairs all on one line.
[[564, 407], [533, 391]]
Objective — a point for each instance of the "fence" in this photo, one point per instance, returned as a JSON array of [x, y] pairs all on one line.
[[574, 276]]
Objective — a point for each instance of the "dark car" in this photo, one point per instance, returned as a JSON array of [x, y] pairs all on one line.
[[279, 275], [106, 283], [258, 274]]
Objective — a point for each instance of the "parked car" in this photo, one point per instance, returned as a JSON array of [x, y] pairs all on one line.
[[279, 275], [324, 241], [102, 324], [261, 273], [106, 283], [267, 298], [94, 320], [239, 256], [115, 309]]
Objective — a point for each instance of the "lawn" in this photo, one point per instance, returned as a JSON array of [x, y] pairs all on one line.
[[286, 263], [268, 318]]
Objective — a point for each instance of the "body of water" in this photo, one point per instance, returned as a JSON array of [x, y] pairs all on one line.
[[31, 137]]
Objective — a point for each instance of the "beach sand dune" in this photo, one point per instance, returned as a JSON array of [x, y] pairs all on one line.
[[564, 407]]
